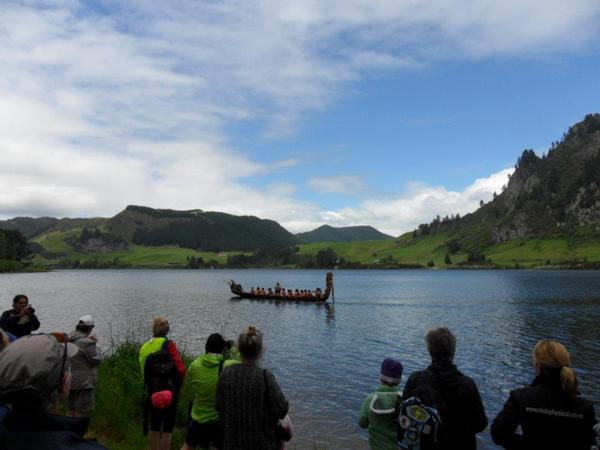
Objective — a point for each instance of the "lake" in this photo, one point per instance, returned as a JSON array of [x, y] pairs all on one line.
[[327, 359]]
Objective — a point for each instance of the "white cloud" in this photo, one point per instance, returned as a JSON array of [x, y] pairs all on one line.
[[99, 111], [341, 184], [420, 203]]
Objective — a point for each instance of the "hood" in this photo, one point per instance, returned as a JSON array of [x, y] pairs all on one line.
[[384, 401], [445, 373], [211, 359]]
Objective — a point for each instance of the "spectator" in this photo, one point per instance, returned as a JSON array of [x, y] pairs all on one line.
[[249, 401], [462, 414], [379, 412], [82, 399], [163, 372], [34, 376], [550, 412], [204, 373], [21, 319]]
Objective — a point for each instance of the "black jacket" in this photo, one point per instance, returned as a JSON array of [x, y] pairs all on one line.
[[9, 321], [463, 415], [45, 432], [549, 418]]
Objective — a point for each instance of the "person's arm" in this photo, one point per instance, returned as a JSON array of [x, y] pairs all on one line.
[[8, 319], [35, 323], [410, 385], [363, 418], [278, 405], [179, 365], [91, 353], [505, 426], [477, 418], [219, 397], [593, 427]]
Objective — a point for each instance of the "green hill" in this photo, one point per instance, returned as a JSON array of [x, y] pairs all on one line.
[[326, 233], [207, 231], [556, 196]]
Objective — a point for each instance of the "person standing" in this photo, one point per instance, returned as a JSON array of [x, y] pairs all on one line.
[[203, 375], [379, 412], [462, 413], [551, 413], [163, 372], [249, 400], [84, 368], [34, 377], [21, 319]]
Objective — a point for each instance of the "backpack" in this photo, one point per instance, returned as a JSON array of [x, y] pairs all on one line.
[[160, 373], [420, 425]]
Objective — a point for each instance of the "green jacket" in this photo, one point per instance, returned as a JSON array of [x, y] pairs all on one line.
[[204, 377], [379, 413]]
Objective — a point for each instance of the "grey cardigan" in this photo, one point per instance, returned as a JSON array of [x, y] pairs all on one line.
[[250, 403]]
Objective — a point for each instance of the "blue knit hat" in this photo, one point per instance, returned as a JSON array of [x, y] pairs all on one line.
[[391, 371]]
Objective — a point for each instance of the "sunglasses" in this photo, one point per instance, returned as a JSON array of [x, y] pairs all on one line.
[[63, 339]]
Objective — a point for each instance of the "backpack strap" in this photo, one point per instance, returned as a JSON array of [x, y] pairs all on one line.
[[221, 366]]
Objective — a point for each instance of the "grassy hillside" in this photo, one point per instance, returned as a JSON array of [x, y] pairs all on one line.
[[405, 250], [55, 243], [550, 252]]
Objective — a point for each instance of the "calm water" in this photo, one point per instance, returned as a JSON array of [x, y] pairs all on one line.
[[327, 360]]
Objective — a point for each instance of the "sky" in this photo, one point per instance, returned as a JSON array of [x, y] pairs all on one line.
[[307, 112]]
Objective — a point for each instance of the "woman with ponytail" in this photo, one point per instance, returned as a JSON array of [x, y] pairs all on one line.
[[550, 412], [249, 400]]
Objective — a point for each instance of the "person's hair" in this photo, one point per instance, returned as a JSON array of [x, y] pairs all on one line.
[[160, 326], [551, 355], [215, 344], [84, 328], [441, 343], [3, 340], [19, 297], [250, 342]]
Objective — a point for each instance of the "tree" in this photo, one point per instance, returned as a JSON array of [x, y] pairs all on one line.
[[85, 235], [326, 258], [447, 259], [13, 245]]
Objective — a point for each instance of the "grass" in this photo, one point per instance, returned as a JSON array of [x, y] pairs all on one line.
[[401, 249], [558, 252], [135, 255]]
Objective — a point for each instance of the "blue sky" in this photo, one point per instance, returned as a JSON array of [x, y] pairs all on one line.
[[310, 112]]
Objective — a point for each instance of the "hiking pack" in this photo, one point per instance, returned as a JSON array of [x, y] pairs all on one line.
[[420, 425], [160, 373]]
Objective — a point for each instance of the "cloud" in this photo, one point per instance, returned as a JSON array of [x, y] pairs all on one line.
[[131, 102], [341, 184], [419, 203]]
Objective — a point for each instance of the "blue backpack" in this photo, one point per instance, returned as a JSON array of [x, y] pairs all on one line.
[[419, 422]]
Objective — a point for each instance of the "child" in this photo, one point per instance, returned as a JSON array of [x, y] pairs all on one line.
[[379, 412]]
